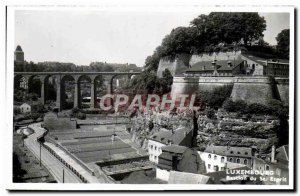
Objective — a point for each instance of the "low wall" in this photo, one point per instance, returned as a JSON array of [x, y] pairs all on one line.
[[162, 174], [122, 161]]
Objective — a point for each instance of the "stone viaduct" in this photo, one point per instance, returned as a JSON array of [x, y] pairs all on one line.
[[77, 77]]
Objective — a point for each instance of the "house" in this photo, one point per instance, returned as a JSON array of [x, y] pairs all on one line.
[[217, 68], [237, 63], [181, 136], [218, 158], [188, 178], [178, 158], [258, 66], [235, 175], [25, 108], [276, 162]]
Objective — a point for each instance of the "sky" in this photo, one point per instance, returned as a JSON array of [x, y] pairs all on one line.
[[82, 37]]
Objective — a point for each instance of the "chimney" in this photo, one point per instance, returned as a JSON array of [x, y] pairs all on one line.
[[170, 142], [273, 154], [214, 63]]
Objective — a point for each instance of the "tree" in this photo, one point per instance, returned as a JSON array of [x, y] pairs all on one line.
[[210, 113], [283, 43], [230, 27]]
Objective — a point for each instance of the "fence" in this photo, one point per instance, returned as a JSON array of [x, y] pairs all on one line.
[[61, 160], [71, 155]]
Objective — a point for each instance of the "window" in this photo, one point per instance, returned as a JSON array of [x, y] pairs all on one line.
[[245, 161], [216, 168], [246, 153], [155, 148], [222, 159], [215, 157], [209, 156], [231, 152], [222, 168], [238, 160], [208, 166], [267, 167], [238, 152], [278, 171]]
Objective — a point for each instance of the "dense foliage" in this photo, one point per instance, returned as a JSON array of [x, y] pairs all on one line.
[[283, 43], [214, 98], [217, 31], [148, 82], [71, 67], [273, 107]]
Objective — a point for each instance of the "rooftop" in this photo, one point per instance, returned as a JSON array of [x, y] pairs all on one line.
[[222, 65], [263, 61], [19, 49], [174, 149], [165, 136], [229, 151]]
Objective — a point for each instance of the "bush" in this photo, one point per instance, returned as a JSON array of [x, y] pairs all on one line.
[[257, 108], [238, 106], [81, 115], [210, 113], [216, 98]]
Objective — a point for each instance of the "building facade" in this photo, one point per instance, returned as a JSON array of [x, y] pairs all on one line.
[[180, 136], [218, 158], [25, 108], [276, 164]]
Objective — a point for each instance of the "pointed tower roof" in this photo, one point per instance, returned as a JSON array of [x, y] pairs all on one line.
[[19, 49]]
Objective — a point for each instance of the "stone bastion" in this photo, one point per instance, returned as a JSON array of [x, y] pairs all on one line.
[[252, 89]]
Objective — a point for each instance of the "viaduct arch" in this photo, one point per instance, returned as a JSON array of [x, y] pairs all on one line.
[[77, 76]]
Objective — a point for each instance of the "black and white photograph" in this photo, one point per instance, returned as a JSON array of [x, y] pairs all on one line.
[[149, 98]]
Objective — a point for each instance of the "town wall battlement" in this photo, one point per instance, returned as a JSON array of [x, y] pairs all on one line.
[[252, 89]]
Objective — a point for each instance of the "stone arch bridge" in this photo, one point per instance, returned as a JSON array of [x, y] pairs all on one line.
[[77, 77]]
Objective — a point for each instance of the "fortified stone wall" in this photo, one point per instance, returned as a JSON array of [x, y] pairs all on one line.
[[253, 89], [250, 89], [184, 85], [282, 85], [53, 122], [176, 65], [211, 83]]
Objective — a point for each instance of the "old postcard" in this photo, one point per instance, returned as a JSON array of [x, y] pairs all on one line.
[[150, 97]]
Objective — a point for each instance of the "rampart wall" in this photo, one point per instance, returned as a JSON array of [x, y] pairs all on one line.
[[250, 89]]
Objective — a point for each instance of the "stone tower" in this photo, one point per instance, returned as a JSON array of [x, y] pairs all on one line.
[[19, 55]]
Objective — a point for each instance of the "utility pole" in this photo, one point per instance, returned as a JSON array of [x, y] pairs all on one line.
[[63, 176], [40, 154]]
